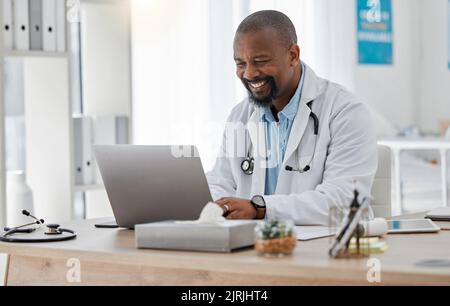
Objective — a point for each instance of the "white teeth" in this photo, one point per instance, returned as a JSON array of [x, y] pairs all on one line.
[[258, 84]]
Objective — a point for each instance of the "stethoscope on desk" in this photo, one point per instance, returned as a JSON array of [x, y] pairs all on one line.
[[248, 165], [54, 232]]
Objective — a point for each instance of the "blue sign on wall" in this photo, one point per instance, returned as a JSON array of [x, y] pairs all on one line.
[[375, 32]]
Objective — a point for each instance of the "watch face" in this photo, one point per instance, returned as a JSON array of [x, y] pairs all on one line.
[[259, 201]]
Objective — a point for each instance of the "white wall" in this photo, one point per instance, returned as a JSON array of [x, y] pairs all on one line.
[[105, 43], [48, 154], [222, 91], [434, 98], [171, 81], [415, 89], [390, 89], [387, 89], [106, 73]]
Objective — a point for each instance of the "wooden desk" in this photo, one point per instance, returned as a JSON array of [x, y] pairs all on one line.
[[109, 257]]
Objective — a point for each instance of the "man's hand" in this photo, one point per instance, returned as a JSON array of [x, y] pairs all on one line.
[[239, 209]]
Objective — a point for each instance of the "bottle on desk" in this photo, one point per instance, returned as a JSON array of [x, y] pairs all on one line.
[[19, 197]]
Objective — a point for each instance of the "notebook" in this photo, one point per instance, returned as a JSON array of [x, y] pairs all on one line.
[[439, 214], [306, 233]]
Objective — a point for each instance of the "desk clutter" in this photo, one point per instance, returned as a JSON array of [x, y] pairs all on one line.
[[351, 226], [355, 228], [352, 236], [353, 232]]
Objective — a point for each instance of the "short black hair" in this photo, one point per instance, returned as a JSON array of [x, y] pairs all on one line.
[[270, 19]]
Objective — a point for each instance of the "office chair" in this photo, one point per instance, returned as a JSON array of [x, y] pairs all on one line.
[[381, 189]]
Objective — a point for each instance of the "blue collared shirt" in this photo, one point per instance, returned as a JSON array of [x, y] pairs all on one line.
[[277, 136]]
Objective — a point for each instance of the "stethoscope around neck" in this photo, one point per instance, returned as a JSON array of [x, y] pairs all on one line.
[[248, 165]]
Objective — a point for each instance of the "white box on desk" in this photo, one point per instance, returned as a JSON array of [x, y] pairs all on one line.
[[172, 235]]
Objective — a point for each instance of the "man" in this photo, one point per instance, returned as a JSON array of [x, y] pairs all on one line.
[[318, 141]]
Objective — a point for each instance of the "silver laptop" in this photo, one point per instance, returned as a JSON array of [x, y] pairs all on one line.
[[153, 183]]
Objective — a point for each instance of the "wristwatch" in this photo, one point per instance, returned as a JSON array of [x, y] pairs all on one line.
[[258, 202]]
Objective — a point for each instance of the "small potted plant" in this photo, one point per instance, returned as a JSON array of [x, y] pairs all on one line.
[[275, 238]]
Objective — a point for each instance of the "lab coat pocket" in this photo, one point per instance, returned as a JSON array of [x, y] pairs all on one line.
[[315, 163], [304, 161], [306, 147]]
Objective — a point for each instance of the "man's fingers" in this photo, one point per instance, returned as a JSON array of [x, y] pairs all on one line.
[[222, 201], [226, 207], [233, 216]]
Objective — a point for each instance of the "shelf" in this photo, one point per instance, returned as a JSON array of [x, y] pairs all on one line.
[[51, 80], [81, 188], [19, 53]]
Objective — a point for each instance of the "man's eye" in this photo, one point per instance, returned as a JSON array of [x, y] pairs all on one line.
[[261, 62], [240, 65]]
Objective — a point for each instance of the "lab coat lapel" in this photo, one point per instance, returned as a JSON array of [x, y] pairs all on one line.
[[309, 93], [298, 129], [258, 139]]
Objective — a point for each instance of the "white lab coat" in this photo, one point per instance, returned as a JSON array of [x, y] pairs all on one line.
[[346, 152]]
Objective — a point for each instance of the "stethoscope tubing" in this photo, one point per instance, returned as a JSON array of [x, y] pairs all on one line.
[[6, 237], [250, 160]]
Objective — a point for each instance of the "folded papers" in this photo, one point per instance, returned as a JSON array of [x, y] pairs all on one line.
[[371, 245]]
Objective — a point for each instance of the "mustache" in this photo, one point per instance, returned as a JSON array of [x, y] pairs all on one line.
[[268, 79], [262, 101]]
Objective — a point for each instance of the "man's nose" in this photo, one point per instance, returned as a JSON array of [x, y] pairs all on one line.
[[251, 73]]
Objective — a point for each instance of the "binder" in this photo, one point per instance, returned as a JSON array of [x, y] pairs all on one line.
[[61, 25], [7, 24], [83, 157], [21, 25], [35, 7], [122, 130], [49, 25], [110, 130]]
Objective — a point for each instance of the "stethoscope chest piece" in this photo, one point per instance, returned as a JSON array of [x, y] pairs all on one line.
[[248, 166], [53, 229]]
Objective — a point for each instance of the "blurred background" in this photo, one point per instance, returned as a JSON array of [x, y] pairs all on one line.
[[78, 73]]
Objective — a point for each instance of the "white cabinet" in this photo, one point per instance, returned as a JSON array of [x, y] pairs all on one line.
[[54, 92]]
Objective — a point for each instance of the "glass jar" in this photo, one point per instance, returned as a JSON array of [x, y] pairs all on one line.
[[275, 238]]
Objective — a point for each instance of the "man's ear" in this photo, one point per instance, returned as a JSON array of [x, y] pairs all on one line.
[[294, 55]]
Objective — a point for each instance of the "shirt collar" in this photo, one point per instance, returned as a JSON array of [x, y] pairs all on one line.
[[291, 109]]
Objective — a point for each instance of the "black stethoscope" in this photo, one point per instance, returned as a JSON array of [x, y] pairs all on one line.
[[54, 232], [248, 165]]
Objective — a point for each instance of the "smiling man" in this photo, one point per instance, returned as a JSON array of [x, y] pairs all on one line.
[[307, 140]]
